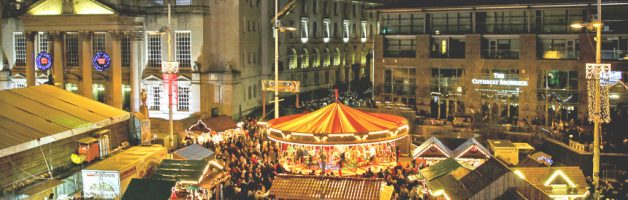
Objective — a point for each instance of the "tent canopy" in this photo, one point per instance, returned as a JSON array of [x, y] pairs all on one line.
[[189, 171], [44, 114], [338, 124], [194, 152], [149, 189]]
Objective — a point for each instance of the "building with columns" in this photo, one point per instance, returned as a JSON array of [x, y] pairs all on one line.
[[500, 59], [217, 43]]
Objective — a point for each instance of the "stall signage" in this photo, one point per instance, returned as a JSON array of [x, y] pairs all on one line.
[[499, 82], [101, 184]]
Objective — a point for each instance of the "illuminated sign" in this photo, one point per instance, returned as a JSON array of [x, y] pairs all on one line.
[[610, 78], [101, 184], [284, 86], [43, 61], [546, 160], [101, 61], [499, 82]]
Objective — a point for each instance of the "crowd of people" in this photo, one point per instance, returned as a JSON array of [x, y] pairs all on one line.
[[346, 97]]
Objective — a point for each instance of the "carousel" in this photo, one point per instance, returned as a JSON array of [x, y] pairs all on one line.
[[337, 139]]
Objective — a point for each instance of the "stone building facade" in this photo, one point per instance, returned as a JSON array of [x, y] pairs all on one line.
[[217, 43], [499, 59]]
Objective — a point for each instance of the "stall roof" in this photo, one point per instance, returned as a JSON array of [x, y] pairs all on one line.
[[470, 143], [317, 187], [149, 189], [442, 168], [190, 171], [194, 152], [130, 157], [429, 143], [544, 177], [220, 123], [39, 115], [473, 182]]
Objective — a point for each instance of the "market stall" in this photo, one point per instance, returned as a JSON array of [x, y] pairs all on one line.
[[431, 152], [337, 138], [193, 152], [472, 153], [188, 175]]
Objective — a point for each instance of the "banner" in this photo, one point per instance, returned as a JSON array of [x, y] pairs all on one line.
[[283, 86]]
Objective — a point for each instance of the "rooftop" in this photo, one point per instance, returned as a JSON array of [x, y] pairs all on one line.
[[409, 5], [317, 187]]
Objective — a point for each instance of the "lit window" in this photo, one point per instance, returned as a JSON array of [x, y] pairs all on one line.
[[126, 51], [336, 57], [42, 41], [183, 2], [184, 56], [292, 59], [184, 98], [71, 50], [305, 59], [326, 58], [326, 35], [345, 30], [98, 42], [363, 31], [316, 58], [160, 2], [304, 30], [153, 52], [19, 44], [154, 96]]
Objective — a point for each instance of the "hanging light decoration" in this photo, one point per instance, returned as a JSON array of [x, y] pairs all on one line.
[[595, 72]]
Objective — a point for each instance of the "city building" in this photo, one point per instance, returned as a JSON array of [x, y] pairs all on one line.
[[332, 43], [499, 58], [216, 43]]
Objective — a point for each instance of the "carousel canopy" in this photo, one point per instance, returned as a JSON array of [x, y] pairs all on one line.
[[338, 124]]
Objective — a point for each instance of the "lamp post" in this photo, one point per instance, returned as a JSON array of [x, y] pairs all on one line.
[[276, 29], [597, 104], [169, 71]]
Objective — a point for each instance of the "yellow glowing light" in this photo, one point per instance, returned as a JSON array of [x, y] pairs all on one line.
[[577, 25], [520, 174], [556, 174]]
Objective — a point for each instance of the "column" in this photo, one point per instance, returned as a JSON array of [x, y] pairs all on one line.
[[135, 40], [30, 58], [85, 61], [57, 61], [114, 87]]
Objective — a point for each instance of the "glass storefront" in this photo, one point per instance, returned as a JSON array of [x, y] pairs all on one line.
[[446, 92], [400, 84], [558, 95], [500, 91]]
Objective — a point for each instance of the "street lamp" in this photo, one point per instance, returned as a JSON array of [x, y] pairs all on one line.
[[276, 29], [597, 104], [169, 71]]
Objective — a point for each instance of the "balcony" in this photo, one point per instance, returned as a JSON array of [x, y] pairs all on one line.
[[452, 53], [614, 55], [500, 54]]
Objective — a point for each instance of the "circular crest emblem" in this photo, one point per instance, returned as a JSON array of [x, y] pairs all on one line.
[[101, 61], [43, 61]]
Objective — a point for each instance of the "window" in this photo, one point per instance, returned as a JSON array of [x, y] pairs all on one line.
[[314, 6], [404, 48], [183, 98], [447, 81], [355, 9], [183, 2], [153, 49], [503, 22], [314, 30], [98, 92], [71, 50], [451, 22], [363, 33], [159, 2], [345, 31], [304, 29], [335, 30], [500, 48], [336, 57], [615, 48], [19, 51], [316, 58], [326, 30], [42, 42], [305, 59], [558, 48], [400, 81], [154, 96], [98, 43], [126, 51], [304, 6], [326, 58], [183, 42], [444, 47], [292, 59], [325, 8], [558, 21], [335, 8]]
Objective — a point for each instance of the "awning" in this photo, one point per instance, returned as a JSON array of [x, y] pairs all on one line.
[[44, 114], [185, 171], [140, 189], [194, 152], [41, 187]]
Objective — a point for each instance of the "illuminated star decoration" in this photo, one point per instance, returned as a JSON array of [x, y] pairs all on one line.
[[43, 61], [101, 61]]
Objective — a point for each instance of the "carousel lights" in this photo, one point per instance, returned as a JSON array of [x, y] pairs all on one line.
[[433, 145], [262, 123], [378, 132], [331, 145], [562, 174], [341, 135], [302, 134]]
